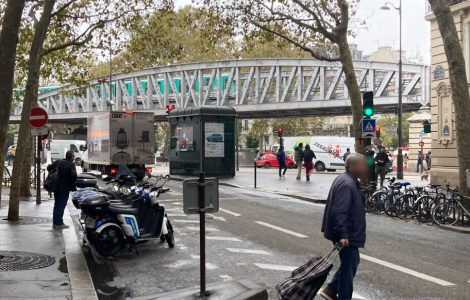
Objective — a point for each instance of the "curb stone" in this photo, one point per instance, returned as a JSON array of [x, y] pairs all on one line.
[[81, 284]]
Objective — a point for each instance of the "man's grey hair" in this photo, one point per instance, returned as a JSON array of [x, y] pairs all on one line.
[[353, 159]]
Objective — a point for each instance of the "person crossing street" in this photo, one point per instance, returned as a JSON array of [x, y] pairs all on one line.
[[308, 155], [299, 158], [281, 158]]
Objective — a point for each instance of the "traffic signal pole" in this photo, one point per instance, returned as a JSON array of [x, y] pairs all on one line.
[[400, 116]]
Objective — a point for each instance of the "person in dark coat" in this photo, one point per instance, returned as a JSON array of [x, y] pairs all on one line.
[[381, 161], [67, 179], [281, 158], [299, 157], [309, 155], [344, 223]]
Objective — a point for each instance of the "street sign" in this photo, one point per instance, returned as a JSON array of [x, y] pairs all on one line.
[[190, 196], [421, 135], [378, 142], [421, 143], [368, 127], [38, 117], [39, 130]]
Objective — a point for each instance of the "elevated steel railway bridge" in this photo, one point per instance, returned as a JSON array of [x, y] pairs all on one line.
[[257, 88]]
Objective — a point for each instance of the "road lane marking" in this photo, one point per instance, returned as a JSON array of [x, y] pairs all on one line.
[[223, 238], [248, 251], [176, 215], [185, 221], [406, 270], [207, 228], [229, 212], [211, 216], [276, 267], [281, 229]]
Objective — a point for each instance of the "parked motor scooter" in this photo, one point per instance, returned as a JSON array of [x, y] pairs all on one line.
[[112, 220]]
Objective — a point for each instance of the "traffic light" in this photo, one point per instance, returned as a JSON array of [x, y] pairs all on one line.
[[169, 108], [426, 127], [279, 132], [368, 104], [377, 132]]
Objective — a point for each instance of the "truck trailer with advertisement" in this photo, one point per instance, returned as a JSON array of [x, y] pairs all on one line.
[[120, 138], [329, 150]]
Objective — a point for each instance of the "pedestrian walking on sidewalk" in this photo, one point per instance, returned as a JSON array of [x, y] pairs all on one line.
[[309, 155], [281, 159], [348, 151], [67, 178], [427, 158], [299, 158], [344, 222], [381, 161], [419, 163]]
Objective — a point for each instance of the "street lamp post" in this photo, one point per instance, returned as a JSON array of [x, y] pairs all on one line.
[[387, 6]]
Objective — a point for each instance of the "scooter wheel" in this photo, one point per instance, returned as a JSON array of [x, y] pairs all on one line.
[[109, 241]]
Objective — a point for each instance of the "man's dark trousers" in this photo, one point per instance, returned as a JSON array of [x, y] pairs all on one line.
[[60, 202], [342, 282]]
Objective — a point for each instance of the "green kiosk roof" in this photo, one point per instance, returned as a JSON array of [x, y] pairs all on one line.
[[203, 111]]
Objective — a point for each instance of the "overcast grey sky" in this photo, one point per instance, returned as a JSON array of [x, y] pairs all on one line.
[[381, 27]]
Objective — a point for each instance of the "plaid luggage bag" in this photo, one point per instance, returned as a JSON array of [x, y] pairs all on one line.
[[306, 280]]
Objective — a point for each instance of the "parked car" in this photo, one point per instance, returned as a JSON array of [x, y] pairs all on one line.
[[269, 159]]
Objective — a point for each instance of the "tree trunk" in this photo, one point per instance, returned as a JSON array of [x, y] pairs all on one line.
[[458, 84], [25, 185], [8, 42], [353, 89], [31, 95]]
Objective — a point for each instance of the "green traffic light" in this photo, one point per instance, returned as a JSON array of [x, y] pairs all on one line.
[[368, 111]]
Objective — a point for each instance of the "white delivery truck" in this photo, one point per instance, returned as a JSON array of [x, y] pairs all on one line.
[[329, 150], [59, 147], [120, 138]]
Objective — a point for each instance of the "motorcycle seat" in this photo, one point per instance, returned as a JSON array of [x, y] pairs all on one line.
[[123, 210]]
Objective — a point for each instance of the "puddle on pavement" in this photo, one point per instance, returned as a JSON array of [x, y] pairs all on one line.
[[63, 265], [103, 275]]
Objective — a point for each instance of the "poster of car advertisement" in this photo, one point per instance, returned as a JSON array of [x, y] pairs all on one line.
[[214, 139]]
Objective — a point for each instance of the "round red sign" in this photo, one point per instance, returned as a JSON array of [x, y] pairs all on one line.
[[38, 117], [421, 143]]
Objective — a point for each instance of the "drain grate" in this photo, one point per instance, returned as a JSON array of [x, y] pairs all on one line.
[[19, 260], [26, 220]]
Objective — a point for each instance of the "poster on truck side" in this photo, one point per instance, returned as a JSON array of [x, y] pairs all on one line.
[[144, 137], [121, 138], [214, 140]]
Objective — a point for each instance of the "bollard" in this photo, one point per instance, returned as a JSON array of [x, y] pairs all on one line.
[[255, 174]]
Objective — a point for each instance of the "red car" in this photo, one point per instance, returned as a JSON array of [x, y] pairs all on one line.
[[269, 159]]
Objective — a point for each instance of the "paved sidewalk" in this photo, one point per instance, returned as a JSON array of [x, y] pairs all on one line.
[[53, 261]]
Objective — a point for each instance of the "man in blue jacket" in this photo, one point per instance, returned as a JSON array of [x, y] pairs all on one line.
[[344, 222]]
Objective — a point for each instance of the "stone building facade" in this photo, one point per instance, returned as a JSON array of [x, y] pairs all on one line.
[[444, 144]]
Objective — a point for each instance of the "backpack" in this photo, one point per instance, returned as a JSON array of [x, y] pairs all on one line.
[[52, 180]]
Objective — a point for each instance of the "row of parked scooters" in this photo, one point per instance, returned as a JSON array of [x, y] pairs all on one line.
[[125, 215]]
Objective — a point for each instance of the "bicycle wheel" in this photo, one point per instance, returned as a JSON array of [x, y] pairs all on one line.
[[446, 214], [378, 199], [422, 210], [404, 206], [390, 207]]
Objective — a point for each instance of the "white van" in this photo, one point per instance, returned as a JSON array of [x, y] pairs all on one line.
[[59, 147], [329, 150]]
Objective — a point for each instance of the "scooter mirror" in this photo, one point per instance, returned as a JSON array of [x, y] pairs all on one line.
[[167, 177]]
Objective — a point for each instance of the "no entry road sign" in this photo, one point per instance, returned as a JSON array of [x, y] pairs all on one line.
[[38, 117]]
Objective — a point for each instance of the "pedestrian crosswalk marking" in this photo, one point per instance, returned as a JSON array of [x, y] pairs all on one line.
[[229, 212], [281, 229], [223, 238], [248, 251], [406, 270], [185, 221], [207, 228], [275, 267]]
